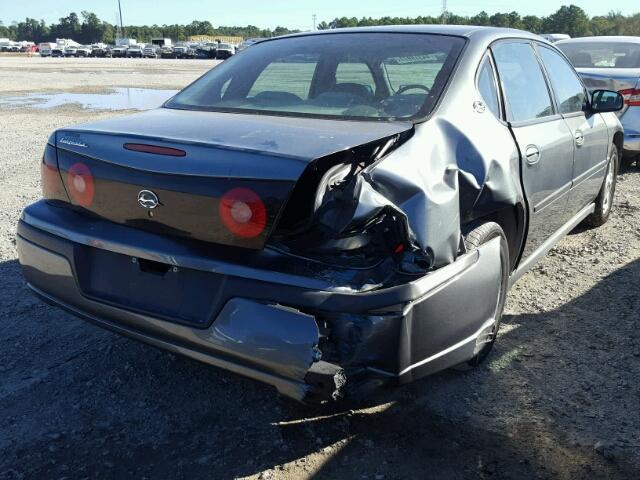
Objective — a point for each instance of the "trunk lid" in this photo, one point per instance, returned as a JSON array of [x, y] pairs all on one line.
[[209, 155], [615, 79]]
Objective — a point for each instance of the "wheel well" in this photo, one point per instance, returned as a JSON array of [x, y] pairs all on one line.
[[512, 222], [618, 141]]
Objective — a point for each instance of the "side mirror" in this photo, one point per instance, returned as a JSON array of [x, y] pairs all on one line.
[[606, 101]]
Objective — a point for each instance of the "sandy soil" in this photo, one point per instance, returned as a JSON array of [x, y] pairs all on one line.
[[558, 397]]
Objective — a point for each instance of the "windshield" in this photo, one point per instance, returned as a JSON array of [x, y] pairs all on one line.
[[602, 54], [381, 76]]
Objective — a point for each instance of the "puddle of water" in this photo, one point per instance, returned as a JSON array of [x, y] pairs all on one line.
[[116, 99]]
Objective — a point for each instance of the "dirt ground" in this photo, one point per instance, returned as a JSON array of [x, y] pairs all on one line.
[[558, 398]]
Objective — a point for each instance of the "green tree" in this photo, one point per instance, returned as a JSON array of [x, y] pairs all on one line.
[[32, 30], [92, 29], [67, 27], [481, 18], [532, 23], [571, 20]]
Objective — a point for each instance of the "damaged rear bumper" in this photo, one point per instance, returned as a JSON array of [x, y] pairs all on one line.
[[286, 330]]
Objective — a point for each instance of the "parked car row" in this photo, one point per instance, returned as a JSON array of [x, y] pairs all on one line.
[[15, 48], [212, 50]]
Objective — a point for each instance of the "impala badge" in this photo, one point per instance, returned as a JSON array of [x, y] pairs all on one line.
[[147, 199]]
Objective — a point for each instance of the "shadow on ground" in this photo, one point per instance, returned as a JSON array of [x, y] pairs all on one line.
[[77, 401]]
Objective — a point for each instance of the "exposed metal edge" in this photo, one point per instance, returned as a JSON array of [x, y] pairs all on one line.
[[436, 356], [550, 243], [290, 388]]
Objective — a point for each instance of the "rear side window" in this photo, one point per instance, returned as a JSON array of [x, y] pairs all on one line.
[[355, 76], [487, 87], [566, 84], [525, 89]]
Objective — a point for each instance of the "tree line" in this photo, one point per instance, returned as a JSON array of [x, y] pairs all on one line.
[[88, 28], [570, 19]]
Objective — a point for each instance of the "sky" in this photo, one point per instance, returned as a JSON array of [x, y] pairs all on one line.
[[287, 13]]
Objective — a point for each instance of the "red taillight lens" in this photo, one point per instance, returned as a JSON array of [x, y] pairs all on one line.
[[80, 184], [52, 187], [243, 212], [631, 96]]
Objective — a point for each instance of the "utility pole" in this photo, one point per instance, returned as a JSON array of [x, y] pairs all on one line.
[[314, 17], [444, 12], [124, 34]]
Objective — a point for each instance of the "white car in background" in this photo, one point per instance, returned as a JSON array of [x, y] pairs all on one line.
[[555, 37], [224, 51], [83, 51], [70, 51]]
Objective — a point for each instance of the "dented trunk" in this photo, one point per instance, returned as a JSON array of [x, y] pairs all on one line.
[[176, 172]]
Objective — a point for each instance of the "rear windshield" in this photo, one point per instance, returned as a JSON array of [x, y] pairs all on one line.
[[377, 76], [602, 54]]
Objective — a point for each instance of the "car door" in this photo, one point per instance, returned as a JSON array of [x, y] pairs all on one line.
[[591, 137], [544, 139]]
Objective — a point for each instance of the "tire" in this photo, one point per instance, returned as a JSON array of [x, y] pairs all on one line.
[[474, 240], [604, 200]]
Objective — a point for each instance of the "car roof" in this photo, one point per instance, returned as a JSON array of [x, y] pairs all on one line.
[[612, 39], [470, 31]]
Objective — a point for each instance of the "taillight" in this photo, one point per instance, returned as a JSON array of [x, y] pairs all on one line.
[[80, 184], [52, 187], [158, 150], [631, 96], [243, 212]]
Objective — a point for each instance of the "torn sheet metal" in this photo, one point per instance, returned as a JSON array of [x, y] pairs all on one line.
[[432, 185], [280, 339]]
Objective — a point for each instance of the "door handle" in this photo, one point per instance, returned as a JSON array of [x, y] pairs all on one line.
[[579, 137], [532, 154]]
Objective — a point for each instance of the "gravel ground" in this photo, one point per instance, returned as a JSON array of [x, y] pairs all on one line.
[[558, 397]]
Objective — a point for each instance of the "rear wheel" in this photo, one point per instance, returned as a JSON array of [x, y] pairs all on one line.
[[474, 240], [604, 200]]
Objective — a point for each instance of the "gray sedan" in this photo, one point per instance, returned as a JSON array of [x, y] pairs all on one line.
[[327, 212], [612, 63]]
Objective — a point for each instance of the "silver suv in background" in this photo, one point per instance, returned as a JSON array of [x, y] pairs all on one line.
[[135, 51], [119, 51], [612, 63], [150, 51]]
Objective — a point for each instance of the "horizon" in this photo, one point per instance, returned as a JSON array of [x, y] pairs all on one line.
[[286, 13]]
